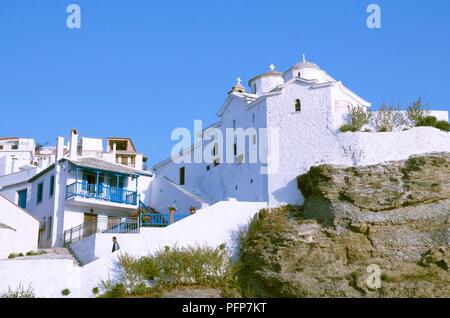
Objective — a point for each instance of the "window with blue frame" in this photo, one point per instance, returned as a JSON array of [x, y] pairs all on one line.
[[52, 185], [40, 191], [22, 198]]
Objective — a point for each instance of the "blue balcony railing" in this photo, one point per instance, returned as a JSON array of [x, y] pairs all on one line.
[[101, 192]]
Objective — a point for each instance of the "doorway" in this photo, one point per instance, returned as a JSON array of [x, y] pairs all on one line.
[[90, 224]]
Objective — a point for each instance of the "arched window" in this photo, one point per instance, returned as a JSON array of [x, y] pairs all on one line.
[[298, 105]]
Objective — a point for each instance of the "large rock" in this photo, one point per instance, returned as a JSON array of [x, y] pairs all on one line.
[[393, 217], [403, 207]]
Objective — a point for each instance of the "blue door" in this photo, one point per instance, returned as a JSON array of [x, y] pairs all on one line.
[[22, 201]]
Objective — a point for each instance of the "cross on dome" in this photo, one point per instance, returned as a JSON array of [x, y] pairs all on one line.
[[272, 67], [239, 80], [304, 57]]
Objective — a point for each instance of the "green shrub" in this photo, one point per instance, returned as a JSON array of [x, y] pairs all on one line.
[[33, 253], [388, 118], [171, 268], [13, 255], [95, 290], [346, 128], [443, 125], [415, 112], [19, 292], [430, 121], [65, 292], [112, 290], [356, 118]]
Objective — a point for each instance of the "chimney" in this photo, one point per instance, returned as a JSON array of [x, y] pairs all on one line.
[[59, 148], [73, 144]]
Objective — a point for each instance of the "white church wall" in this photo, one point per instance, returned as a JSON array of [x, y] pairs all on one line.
[[306, 138], [362, 148]]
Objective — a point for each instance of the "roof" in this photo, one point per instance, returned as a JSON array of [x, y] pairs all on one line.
[[305, 64], [271, 73], [9, 138], [98, 164]]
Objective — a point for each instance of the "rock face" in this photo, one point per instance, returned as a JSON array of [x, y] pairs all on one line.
[[372, 231]]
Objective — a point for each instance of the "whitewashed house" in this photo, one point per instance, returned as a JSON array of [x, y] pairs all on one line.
[[86, 191]]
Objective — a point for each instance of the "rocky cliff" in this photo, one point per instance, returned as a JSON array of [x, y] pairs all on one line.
[[369, 231]]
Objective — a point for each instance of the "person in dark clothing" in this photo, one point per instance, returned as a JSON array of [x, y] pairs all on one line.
[[115, 245]]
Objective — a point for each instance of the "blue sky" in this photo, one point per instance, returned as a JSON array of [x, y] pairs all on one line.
[[140, 68]]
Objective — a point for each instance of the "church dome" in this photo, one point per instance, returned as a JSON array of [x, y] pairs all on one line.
[[305, 64]]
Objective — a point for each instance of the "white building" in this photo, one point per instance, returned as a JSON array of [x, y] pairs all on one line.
[[18, 229], [302, 109]]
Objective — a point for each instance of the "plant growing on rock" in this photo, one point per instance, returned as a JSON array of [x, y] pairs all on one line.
[[388, 118], [356, 118]]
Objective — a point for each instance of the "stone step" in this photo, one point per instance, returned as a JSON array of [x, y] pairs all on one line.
[[61, 252]]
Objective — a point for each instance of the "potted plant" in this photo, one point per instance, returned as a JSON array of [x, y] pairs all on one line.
[[193, 209], [172, 210]]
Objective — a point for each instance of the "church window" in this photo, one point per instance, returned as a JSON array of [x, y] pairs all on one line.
[[298, 105], [235, 149], [208, 168], [299, 74], [182, 175], [254, 139], [253, 118], [234, 124]]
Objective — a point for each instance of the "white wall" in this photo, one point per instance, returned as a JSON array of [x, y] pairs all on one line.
[[48, 277], [211, 226], [25, 236]]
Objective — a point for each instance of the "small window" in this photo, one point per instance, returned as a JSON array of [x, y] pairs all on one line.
[[182, 175], [251, 181], [234, 124], [52, 185], [214, 151], [254, 89], [14, 147], [49, 232], [1, 147], [253, 118], [298, 105], [236, 187], [254, 139], [208, 168], [299, 74], [40, 190], [235, 149]]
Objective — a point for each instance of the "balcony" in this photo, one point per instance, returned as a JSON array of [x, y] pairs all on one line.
[[101, 193]]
